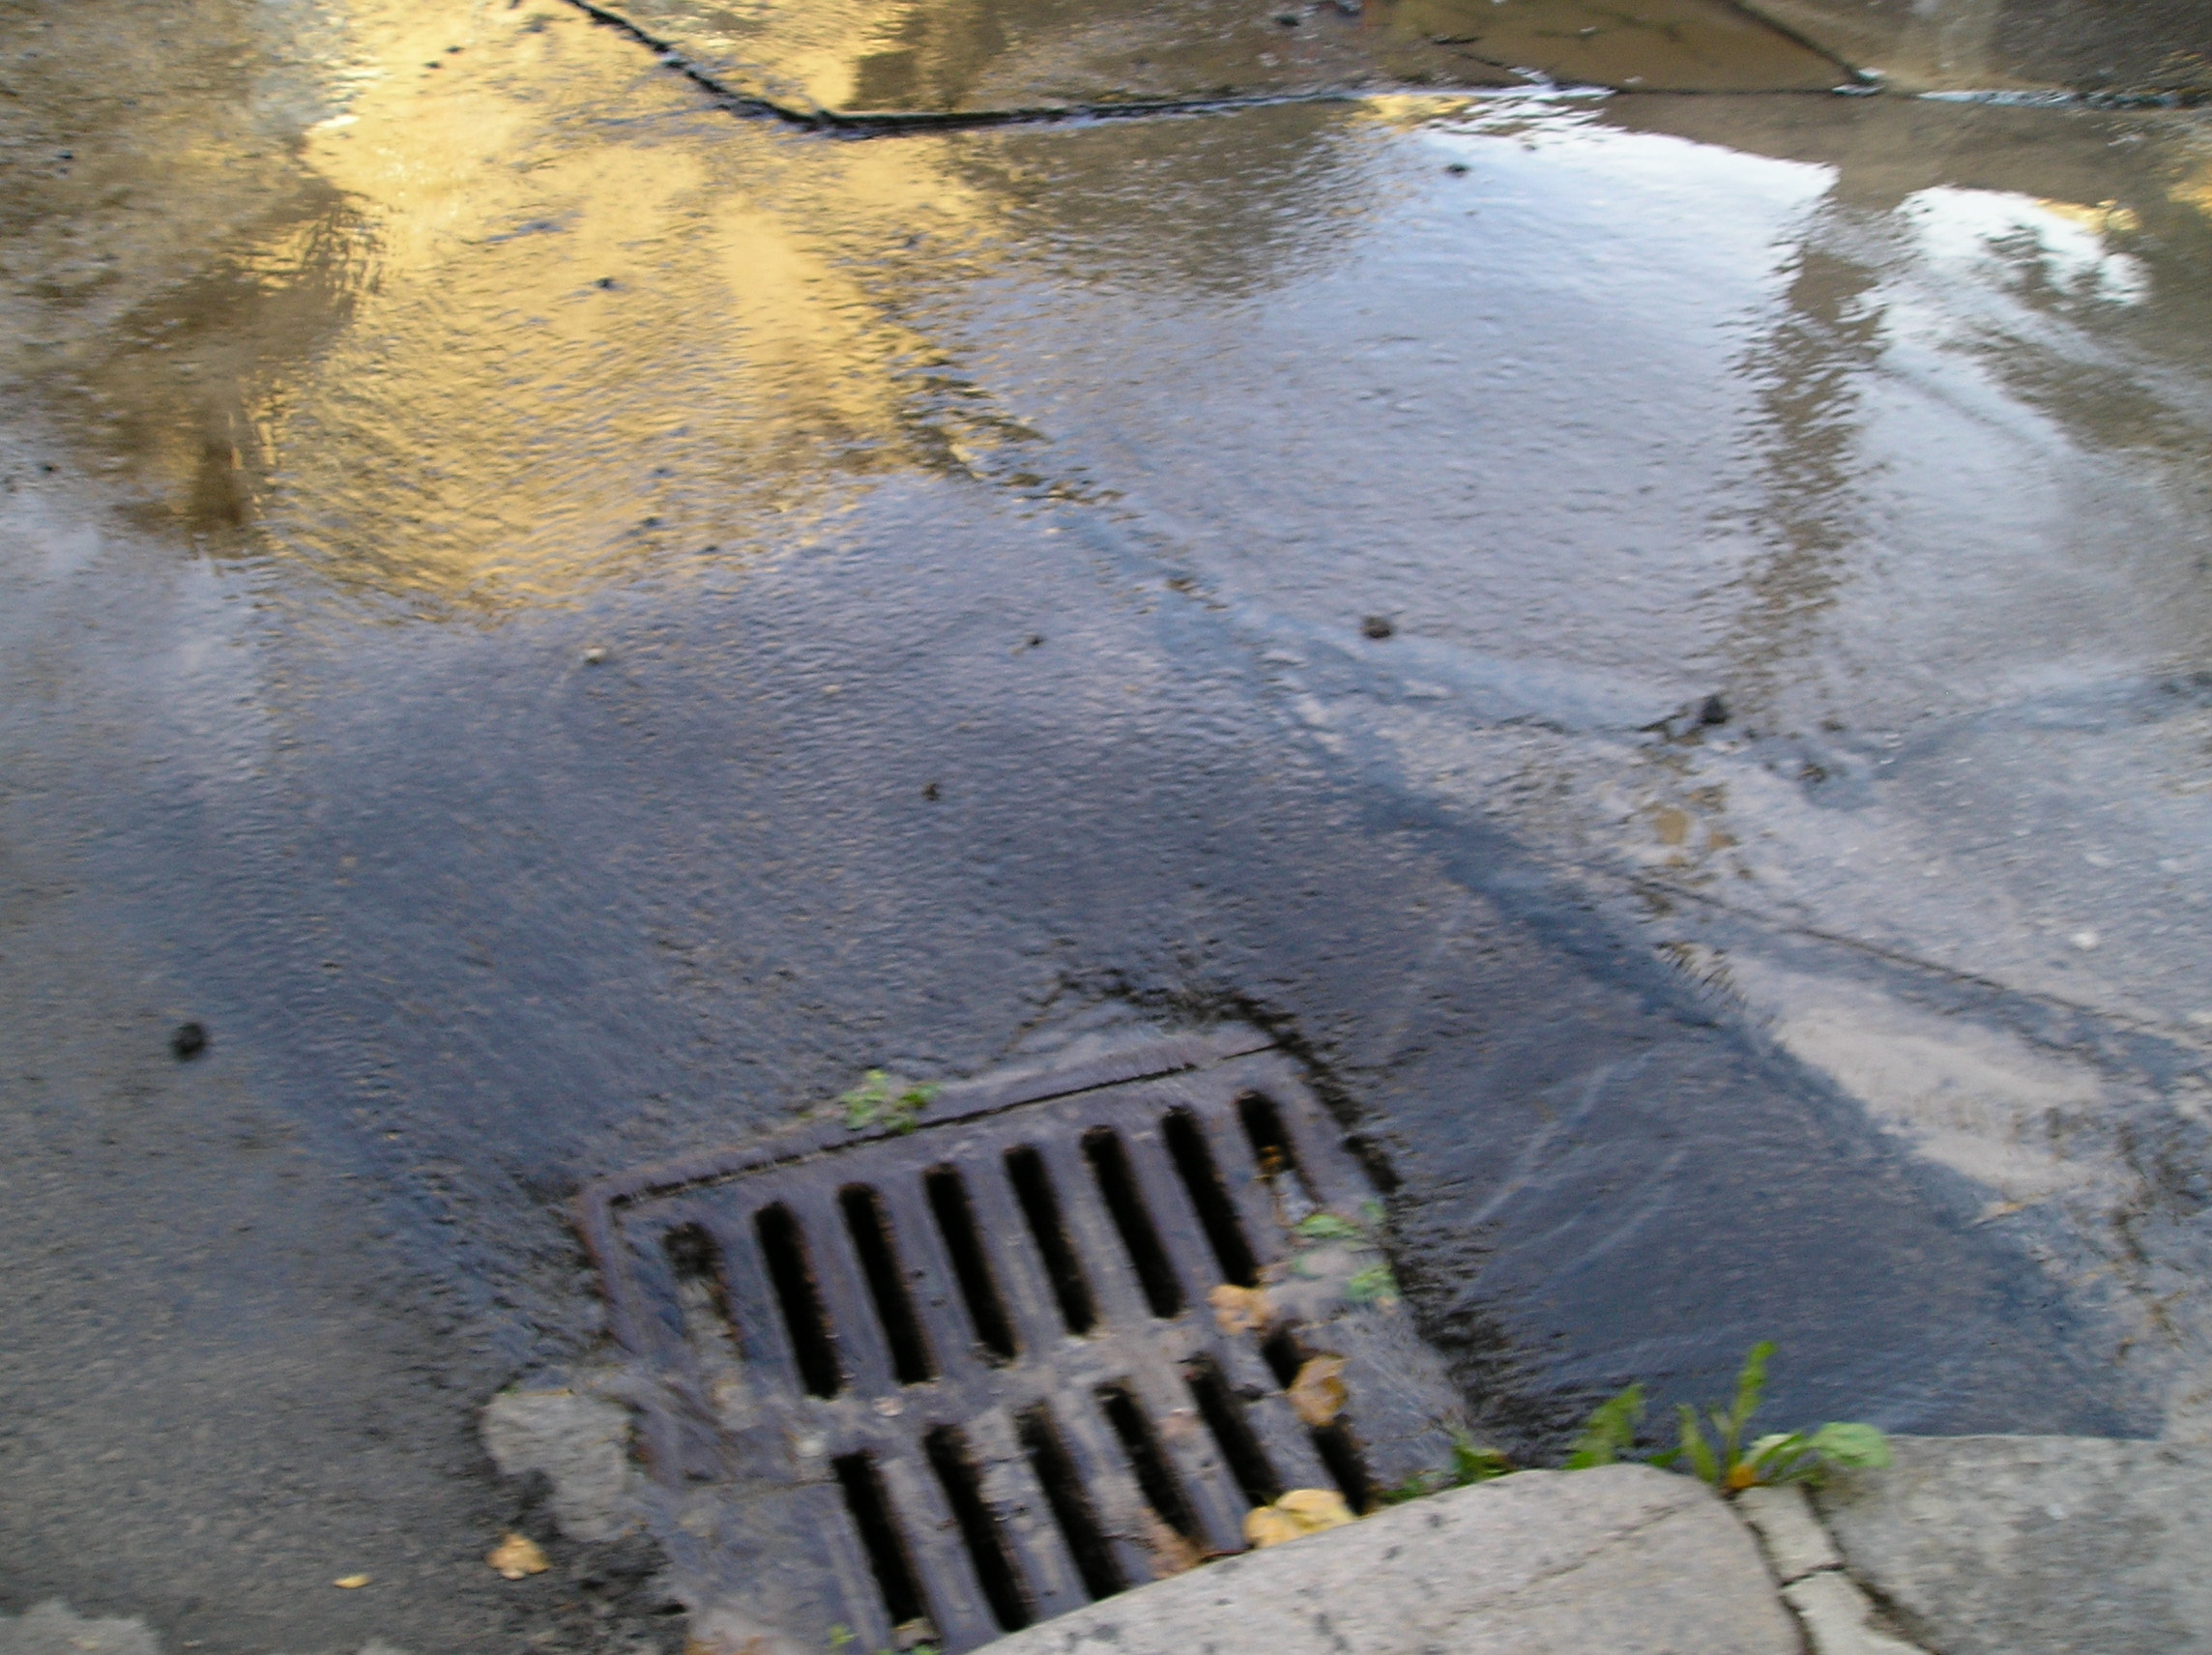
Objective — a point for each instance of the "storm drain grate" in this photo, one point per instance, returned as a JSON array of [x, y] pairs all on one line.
[[942, 1384]]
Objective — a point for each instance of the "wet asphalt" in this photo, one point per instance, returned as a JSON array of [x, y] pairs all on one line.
[[1657, 642]]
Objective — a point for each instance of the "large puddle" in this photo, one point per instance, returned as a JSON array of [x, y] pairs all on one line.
[[1775, 520]]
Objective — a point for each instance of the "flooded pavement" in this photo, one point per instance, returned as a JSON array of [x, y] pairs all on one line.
[[1658, 641], [969, 61]]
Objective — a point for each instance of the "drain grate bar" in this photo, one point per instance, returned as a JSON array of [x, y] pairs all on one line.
[[981, 1359], [1042, 1553], [958, 1608]]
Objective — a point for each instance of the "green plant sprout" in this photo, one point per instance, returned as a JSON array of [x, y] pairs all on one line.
[[880, 1101], [1610, 1431], [1711, 1440], [843, 1637], [1471, 1463], [1375, 1285]]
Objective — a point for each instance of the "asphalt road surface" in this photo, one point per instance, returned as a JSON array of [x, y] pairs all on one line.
[[563, 608]]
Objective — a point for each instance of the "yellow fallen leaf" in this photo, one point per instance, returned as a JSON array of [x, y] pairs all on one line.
[[517, 1555], [1301, 1512], [1240, 1310], [351, 1583], [1317, 1393]]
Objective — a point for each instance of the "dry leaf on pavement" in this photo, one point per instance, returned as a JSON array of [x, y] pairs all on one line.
[[1240, 1310], [517, 1555], [1317, 1393], [1301, 1512]]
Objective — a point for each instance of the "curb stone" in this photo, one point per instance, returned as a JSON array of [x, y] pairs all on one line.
[[1838, 1617], [2034, 1544], [1616, 1560]]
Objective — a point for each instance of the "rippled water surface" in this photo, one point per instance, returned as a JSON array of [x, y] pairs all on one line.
[[1662, 637]]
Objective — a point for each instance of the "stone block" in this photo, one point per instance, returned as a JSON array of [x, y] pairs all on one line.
[[2035, 1545], [581, 1443], [1796, 1543], [1623, 1560], [1839, 1620]]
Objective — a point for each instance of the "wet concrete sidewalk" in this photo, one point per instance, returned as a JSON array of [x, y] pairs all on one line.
[[565, 605]]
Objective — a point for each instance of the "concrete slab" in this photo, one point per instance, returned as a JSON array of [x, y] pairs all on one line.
[[1620, 1559], [2035, 1545], [1796, 1543]]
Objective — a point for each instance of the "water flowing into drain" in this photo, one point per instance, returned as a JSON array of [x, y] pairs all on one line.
[[960, 1379]]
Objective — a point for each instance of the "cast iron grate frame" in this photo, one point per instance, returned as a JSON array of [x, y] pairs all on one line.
[[979, 1419]]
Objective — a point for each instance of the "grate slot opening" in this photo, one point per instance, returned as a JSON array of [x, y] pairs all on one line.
[[1039, 1202], [1194, 1160], [1223, 1415], [1272, 1145], [871, 1512], [702, 1289], [1345, 1465], [873, 1239], [783, 1244], [1069, 1501], [1109, 1160], [949, 1457], [955, 1214], [1155, 1477], [1284, 1358]]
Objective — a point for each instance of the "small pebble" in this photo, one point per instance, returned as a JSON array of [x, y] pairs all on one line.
[[593, 655], [188, 1041], [1376, 626], [1455, 166], [1714, 710]]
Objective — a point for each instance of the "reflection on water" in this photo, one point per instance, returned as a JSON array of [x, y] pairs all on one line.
[[483, 306], [517, 310], [966, 56]]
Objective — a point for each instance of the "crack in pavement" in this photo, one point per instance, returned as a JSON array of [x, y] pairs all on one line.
[[897, 123]]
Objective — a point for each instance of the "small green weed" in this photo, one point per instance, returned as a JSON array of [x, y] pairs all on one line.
[[1609, 1432], [1471, 1463], [1375, 1285], [882, 1101], [842, 1638], [1328, 1227], [1711, 1441]]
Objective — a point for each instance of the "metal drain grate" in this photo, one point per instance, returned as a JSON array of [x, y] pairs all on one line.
[[940, 1386]]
